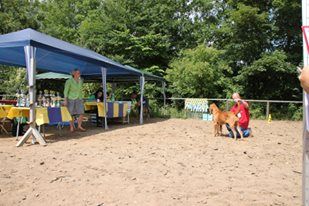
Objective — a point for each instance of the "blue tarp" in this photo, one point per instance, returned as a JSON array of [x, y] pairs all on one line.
[[57, 56]]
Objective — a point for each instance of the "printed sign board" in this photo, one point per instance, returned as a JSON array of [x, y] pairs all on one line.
[[196, 105]]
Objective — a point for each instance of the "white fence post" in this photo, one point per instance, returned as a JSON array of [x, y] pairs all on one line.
[[267, 109]]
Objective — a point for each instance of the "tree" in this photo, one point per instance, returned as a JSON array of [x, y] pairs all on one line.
[[270, 77], [242, 35], [245, 34], [145, 33], [12, 79], [199, 72], [287, 31], [18, 14], [62, 18]]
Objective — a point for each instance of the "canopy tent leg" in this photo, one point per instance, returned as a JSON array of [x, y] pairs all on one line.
[[163, 92], [31, 72], [305, 173], [305, 177], [103, 71], [142, 84]]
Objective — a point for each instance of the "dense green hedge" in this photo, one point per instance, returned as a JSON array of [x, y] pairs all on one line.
[[278, 111]]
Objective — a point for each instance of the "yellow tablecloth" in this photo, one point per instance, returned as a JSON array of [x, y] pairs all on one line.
[[41, 114], [113, 109], [117, 109], [4, 110], [7, 107], [66, 116], [91, 105], [95, 105], [18, 112]]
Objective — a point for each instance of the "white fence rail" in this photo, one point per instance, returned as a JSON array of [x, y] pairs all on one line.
[[268, 102]]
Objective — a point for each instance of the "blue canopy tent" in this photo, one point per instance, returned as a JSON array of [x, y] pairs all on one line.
[[36, 51], [55, 55]]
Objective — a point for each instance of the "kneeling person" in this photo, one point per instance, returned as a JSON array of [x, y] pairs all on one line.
[[241, 110]]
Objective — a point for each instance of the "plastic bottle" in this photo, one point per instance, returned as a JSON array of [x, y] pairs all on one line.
[[113, 97], [40, 97]]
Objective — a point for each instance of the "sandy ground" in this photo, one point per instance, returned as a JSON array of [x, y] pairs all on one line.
[[164, 162]]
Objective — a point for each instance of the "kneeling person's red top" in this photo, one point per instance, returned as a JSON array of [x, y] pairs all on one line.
[[242, 113]]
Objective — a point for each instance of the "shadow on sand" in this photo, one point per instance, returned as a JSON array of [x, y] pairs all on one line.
[[53, 134]]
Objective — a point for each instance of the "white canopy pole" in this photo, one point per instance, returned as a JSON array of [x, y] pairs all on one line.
[[142, 84], [103, 71], [163, 91], [30, 56], [305, 189]]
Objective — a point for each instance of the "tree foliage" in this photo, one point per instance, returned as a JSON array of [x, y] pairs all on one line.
[[18, 14], [263, 78], [205, 48], [12, 79], [199, 72]]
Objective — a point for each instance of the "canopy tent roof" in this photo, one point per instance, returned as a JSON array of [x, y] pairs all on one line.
[[147, 75], [113, 78], [58, 56], [53, 75], [127, 78]]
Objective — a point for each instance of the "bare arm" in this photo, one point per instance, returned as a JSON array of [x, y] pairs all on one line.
[[304, 78], [240, 101], [66, 92], [245, 103]]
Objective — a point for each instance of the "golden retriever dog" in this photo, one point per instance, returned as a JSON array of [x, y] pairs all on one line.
[[223, 117]]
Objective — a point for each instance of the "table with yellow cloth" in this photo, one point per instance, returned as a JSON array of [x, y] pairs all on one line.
[[44, 115], [113, 109], [4, 110]]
